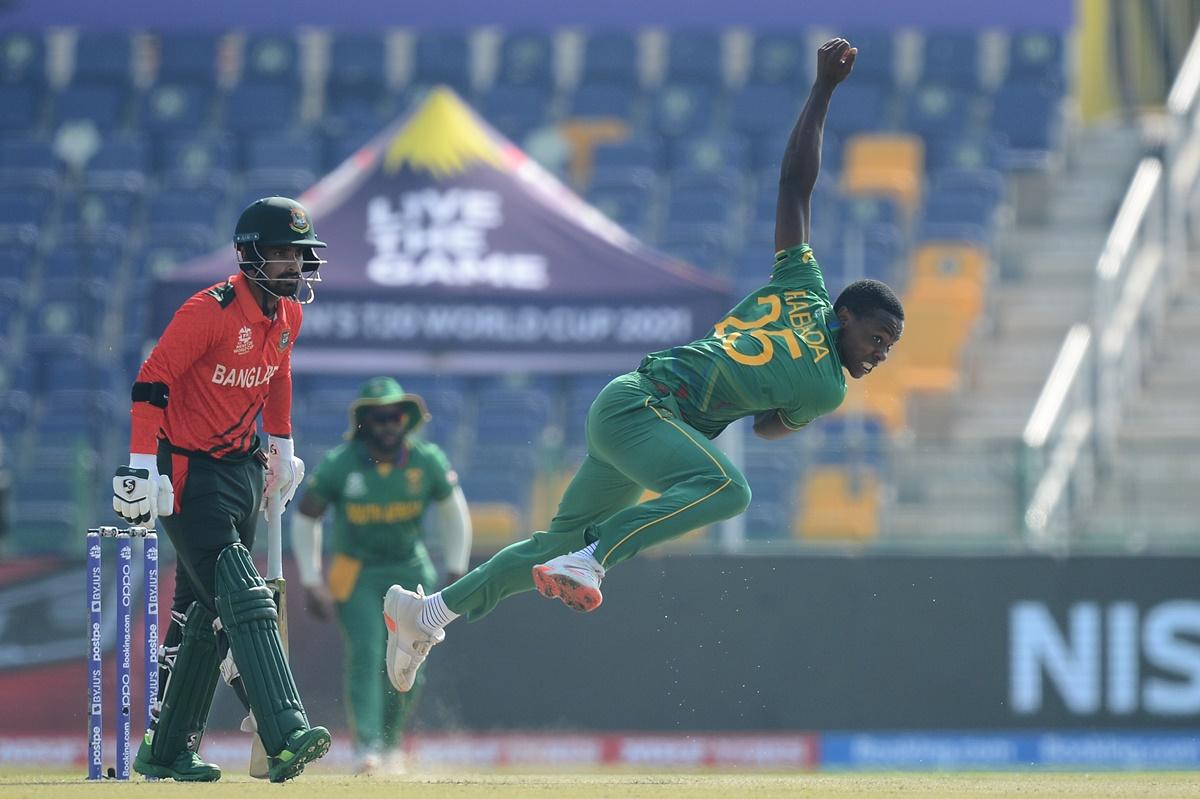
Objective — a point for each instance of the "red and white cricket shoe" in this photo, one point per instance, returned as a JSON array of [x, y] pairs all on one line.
[[573, 578]]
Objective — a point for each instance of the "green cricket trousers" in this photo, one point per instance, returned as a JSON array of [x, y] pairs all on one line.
[[636, 440], [377, 713]]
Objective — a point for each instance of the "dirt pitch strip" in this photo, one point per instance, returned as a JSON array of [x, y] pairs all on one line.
[[627, 785]]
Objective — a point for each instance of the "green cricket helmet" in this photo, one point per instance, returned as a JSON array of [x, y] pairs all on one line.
[[381, 391], [277, 222]]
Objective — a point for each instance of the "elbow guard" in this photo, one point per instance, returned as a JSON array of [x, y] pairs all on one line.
[[153, 393]]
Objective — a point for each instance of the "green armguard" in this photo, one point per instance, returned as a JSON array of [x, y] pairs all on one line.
[[192, 674], [251, 622]]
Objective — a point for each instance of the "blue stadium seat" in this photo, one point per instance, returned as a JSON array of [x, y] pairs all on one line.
[[15, 410], [862, 210], [611, 57], [210, 191], [31, 156], [104, 106], [22, 59], [72, 306], [1035, 58], [25, 206], [987, 184], [763, 109], [527, 59], [125, 153], [728, 183], [964, 151], [704, 207], [447, 410], [357, 64], [86, 414], [681, 109], [168, 246], [18, 251], [515, 110], [344, 136], [873, 250], [63, 362], [271, 59], [781, 59], [1026, 115], [951, 58], [694, 57], [20, 108], [252, 109], [710, 152], [174, 207], [55, 526], [511, 417], [285, 150], [197, 152], [177, 107], [634, 153], [875, 63], [497, 473], [937, 110], [628, 206], [102, 57], [267, 183], [188, 57], [443, 58], [860, 107], [705, 246], [99, 208], [603, 100]]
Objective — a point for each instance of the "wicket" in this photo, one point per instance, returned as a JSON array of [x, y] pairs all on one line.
[[124, 686]]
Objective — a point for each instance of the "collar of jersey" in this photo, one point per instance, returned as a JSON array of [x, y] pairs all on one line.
[[400, 460], [245, 302]]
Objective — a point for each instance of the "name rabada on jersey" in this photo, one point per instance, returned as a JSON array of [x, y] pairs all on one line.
[[804, 324], [248, 377]]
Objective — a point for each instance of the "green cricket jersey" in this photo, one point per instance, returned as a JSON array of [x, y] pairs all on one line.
[[378, 506], [774, 350]]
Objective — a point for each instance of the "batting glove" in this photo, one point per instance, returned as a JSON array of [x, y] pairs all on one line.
[[285, 472], [140, 493]]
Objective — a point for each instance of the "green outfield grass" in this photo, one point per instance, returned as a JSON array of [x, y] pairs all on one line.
[[620, 785]]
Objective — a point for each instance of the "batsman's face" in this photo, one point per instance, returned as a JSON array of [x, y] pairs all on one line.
[[282, 268], [866, 340]]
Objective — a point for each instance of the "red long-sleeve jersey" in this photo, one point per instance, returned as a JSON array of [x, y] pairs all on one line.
[[223, 361]]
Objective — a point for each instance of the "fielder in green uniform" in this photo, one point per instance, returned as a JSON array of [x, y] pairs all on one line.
[[780, 355], [379, 483]]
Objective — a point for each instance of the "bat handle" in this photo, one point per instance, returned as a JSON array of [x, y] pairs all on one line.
[[274, 538]]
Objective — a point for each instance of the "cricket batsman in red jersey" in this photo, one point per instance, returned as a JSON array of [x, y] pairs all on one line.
[[195, 461]]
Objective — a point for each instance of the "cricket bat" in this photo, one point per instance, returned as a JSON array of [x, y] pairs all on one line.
[[259, 767]]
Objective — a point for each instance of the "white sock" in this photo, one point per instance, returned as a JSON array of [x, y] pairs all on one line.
[[434, 613], [589, 551]]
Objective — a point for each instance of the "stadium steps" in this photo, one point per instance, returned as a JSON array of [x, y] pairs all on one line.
[[966, 443]]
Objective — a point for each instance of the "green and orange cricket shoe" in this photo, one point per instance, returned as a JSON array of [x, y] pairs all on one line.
[[303, 746], [186, 767]]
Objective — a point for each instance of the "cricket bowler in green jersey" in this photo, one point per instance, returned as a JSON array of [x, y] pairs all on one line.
[[380, 484], [780, 355]]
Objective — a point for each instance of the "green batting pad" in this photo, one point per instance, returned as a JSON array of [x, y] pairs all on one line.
[[192, 674], [251, 622]]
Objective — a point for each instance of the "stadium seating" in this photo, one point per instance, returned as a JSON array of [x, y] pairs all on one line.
[[674, 144]]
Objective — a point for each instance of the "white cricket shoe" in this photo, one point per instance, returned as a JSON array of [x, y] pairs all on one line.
[[573, 578], [408, 643]]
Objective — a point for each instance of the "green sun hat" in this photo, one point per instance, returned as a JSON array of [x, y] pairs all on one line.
[[381, 391]]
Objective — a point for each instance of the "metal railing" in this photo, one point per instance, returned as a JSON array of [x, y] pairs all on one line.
[[1071, 435]]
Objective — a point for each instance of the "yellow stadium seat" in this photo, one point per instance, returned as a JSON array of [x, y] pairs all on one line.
[[929, 354], [882, 394], [494, 526], [940, 260], [839, 504], [583, 136], [885, 163]]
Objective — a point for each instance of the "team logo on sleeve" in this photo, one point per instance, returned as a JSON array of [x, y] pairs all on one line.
[[245, 342], [284, 338], [299, 221]]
